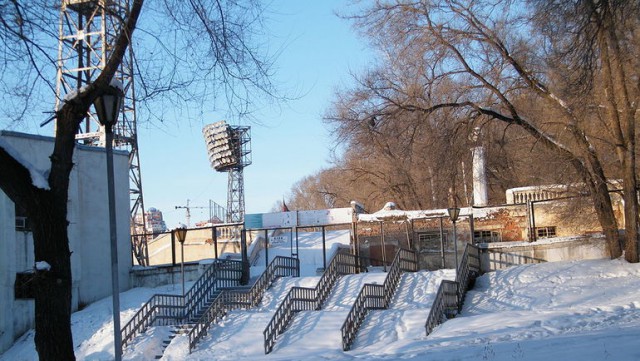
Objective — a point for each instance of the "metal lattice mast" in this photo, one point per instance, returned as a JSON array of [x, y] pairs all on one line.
[[86, 31], [235, 196]]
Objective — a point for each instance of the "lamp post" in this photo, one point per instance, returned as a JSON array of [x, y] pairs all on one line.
[[108, 107], [454, 212], [181, 235]]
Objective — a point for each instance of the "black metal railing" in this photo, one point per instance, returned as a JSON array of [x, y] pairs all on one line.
[[374, 296], [444, 306], [197, 299], [468, 271], [233, 298], [450, 296], [166, 310], [308, 299]]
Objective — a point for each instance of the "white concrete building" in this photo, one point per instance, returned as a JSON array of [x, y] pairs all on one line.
[[88, 232]]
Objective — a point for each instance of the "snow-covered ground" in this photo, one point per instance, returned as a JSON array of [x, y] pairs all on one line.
[[581, 310]]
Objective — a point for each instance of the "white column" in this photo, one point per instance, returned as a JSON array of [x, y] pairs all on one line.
[[480, 194]]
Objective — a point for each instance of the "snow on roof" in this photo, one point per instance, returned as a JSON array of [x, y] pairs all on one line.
[[391, 213], [38, 178], [116, 83], [399, 215]]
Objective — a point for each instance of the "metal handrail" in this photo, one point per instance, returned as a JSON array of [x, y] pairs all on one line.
[[168, 310], [450, 296], [374, 296], [232, 299], [308, 299], [468, 271], [197, 299], [444, 306]]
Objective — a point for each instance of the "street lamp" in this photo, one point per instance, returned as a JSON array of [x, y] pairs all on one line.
[[108, 107], [181, 235], [454, 212]]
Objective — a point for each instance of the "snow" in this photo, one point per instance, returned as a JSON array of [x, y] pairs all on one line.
[[400, 215], [38, 178], [70, 96], [579, 310], [539, 242], [390, 213], [116, 83], [43, 266], [180, 225]]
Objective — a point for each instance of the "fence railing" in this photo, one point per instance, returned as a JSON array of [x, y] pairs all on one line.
[[308, 299], [232, 299], [165, 310], [374, 296], [450, 296]]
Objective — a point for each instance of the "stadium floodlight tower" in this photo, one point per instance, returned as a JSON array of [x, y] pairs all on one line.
[[229, 151]]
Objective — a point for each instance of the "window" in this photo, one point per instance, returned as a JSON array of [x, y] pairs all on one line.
[[24, 286], [22, 222], [483, 236], [430, 241], [545, 232]]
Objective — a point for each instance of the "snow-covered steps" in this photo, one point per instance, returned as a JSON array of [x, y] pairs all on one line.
[[306, 299], [404, 320], [152, 344]]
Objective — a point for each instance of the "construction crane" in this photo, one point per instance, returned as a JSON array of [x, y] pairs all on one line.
[[215, 211], [188, 209]]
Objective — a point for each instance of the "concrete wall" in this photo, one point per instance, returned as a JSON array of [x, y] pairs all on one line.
[[163, 275], [198, 245], [496, 256], [7, 277], [89, 239], [574, 216]]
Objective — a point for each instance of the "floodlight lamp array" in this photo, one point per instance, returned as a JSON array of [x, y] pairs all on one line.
[[223, 150]]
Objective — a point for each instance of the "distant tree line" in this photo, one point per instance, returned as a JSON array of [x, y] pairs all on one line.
[[552, 86]]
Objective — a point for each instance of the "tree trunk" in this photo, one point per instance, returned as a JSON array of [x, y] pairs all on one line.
[[630, 208], [606, 218], [596, 182], [621, 114], [53, 288]]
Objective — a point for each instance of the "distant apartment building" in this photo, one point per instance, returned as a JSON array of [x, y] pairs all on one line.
[[154, 223]]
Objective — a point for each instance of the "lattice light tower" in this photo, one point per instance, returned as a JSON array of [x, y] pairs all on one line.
[[87, 30], [229, 151]]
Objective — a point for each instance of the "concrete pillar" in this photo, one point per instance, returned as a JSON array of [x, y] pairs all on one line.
[[480, 193]]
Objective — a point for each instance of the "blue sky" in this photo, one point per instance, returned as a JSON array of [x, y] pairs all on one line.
[[319, 51]]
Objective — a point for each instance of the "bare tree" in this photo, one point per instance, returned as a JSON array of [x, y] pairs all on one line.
[[519, 63], [218, 42]]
